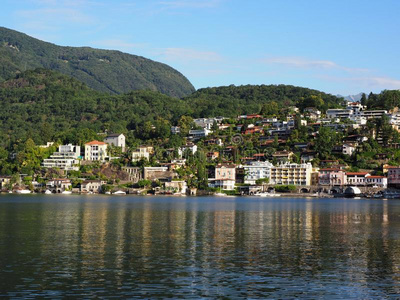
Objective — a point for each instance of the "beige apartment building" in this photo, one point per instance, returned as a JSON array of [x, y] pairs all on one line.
[[291, 173]]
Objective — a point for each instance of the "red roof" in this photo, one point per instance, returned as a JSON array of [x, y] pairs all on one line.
[[95, 143], [357, 173]]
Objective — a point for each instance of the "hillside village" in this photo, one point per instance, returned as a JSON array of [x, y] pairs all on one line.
[[293, 151]]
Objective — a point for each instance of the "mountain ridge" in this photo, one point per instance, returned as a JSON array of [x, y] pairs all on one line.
[[110, 71]]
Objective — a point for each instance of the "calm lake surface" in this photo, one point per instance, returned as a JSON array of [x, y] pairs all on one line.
[[171, 247]]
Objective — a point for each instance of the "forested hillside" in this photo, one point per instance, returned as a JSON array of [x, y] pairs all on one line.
[[103, 70], [45, 106], [231, 100]]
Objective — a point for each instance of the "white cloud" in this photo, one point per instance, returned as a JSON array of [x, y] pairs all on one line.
[[375, 82], [304, 63], [186, 55]]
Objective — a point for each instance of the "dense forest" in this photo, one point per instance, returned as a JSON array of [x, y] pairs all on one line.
[[103, 70], [233, 100], [45, 105]]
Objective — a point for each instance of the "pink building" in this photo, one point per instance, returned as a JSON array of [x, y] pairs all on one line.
[[225, 177], [223, 171], [393, 176], [332, 177]]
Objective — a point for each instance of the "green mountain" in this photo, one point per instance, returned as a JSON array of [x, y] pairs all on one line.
[[103, 70]]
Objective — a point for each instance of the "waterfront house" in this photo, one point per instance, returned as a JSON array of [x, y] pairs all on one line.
[[178, 186], [357, 178], [377, 181], [59, 185], [224, 178], [92, 186], [291, 173], [393, 175], [256, 170], [4, 182], [332, 177]]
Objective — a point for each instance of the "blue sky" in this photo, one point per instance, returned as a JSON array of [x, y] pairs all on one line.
[[340, 47]]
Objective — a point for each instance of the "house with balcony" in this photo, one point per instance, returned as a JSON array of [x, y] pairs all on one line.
[[224, 178], [291, 173], [96, 151], [357, 178], [142, 152], [256, 170], [66, 158], [332, 177], [377, 181]]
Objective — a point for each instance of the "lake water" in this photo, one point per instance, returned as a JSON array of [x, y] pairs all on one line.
[[169, 247]]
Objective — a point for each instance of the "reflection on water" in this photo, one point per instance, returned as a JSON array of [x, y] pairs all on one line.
[[54, 246]]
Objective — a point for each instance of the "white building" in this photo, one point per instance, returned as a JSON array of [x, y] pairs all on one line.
[[143, 152], [339, 113], [59, 185], [257, 170], [199, 133], [188, 147], [65, 159], [359, 120], [96, 151], [373, 114], [349, 149], [93, 186], [379, 181], [357, 178], [116, 139], [291, 173], [207, 123], [176, 186]]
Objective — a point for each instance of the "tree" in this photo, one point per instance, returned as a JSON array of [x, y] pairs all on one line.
[[185, 123], [326, 139], [270, 109], [364, 99]]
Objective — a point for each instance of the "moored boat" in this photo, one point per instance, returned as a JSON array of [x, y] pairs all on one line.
[[24, 191], [267, 195], [119, 193]]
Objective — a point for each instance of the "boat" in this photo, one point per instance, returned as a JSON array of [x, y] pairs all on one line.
[[48, 192], [66, 192], [119, 193], [267, 195], [107, 193], [23, 191], [390, 194], [220, 194]]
